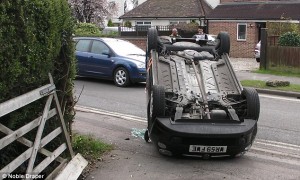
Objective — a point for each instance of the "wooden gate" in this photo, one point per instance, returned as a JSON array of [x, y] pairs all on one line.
[[39, 143]]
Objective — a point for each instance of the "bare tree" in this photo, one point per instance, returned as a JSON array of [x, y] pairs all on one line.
[[135, 3], [92, 11], [130, 4]]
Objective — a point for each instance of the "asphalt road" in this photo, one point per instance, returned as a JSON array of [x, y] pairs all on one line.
[[105, 95]]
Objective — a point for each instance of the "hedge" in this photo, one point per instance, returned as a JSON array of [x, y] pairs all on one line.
[[35, 39]]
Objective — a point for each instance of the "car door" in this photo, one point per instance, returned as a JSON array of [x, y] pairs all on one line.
[[102, 62], [83, 56]]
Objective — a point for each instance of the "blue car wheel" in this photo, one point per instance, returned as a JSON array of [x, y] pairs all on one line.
[[121, 77]]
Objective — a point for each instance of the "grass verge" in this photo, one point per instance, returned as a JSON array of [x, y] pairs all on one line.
[[89, 147], [262, 85], [280, 72]]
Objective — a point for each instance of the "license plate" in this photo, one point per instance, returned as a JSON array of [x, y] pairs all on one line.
[[207, 149]]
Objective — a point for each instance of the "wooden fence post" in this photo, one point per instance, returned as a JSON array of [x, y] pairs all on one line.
[[263, 49]]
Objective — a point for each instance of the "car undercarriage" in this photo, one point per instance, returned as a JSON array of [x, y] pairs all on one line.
[[195, 103]]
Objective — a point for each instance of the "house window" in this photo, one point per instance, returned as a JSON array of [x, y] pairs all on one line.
[[241, 31], [143, 25]]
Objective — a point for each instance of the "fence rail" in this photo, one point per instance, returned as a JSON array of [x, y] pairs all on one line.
[[283, 56], [36, 147], [142, 31]]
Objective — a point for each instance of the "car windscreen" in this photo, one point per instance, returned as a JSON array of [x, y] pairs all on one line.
[[124, 48]]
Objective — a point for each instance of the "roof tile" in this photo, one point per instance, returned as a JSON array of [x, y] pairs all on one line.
[[256, 11], [169, 9]]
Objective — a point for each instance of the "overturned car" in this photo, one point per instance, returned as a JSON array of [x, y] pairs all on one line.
[[196, 106]]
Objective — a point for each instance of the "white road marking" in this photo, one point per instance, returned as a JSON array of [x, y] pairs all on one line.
[[278, 144], [109, 113]]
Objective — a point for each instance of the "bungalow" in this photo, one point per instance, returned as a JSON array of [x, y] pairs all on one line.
[[168, 12]]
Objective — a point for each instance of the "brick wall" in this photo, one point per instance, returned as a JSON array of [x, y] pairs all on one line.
[[241, 49], [140, 42]]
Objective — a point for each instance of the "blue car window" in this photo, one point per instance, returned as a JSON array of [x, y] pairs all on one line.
[[83, 45], [99, 47]]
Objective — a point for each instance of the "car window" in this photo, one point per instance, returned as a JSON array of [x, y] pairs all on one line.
[[99, 47], [124, 48], [83, 45]]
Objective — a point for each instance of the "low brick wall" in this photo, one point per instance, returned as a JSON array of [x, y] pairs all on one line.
[[138, 41]]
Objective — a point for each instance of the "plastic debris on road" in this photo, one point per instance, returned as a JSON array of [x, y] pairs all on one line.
[[138, 132]]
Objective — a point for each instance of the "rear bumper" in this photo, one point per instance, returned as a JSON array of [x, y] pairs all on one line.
[[178, 137]]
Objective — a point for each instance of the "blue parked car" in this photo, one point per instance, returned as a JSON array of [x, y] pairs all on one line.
[[110, 58]]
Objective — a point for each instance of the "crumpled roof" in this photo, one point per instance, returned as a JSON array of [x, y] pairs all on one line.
[[169, 9]]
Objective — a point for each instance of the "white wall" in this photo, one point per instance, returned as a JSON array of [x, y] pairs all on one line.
[[161, 22], [213, 3]]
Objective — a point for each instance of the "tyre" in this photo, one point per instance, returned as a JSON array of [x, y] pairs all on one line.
[[121, 77], [157, 102], [152, 41], [146, 136], [253, 103], [224, 43]]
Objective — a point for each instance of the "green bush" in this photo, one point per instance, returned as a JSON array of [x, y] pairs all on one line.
[[110, 23], [289, 39], [128, 24], [87, 29], [91, 30]]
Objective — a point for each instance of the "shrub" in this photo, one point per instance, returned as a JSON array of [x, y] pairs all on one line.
[[188, 27], [289, 39], [87, 29], [128, 24], [36, 39], [110, 23], [91, 30]]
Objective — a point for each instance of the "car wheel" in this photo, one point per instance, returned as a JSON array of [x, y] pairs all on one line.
[[224, 43], [253, 103], [257, 59], [121, 77], [157, 102], [152, 39], [146, 136]]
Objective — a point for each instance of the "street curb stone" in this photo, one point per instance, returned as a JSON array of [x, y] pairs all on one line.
[[278, 93]]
